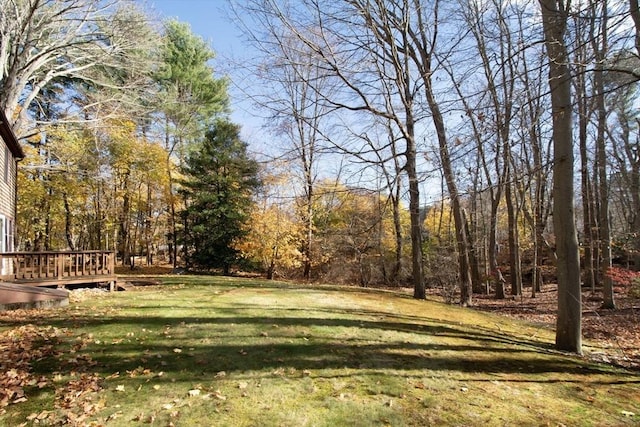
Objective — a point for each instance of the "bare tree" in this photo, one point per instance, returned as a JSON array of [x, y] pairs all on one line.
[[291, 99], [367, 62], [625, 181], [424, 39], [491, 120], [536, 156], [600, 47], [85, 41]]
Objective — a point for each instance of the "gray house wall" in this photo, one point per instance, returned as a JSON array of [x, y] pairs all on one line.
[[10, 154]]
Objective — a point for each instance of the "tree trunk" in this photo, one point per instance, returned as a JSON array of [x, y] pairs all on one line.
[[569, 320], [474, 265], [601, 155], [397, 228], [308, 224], [419, 291], [124, 231], [466, 294], [496, 274], [587, 206], [67, 222]]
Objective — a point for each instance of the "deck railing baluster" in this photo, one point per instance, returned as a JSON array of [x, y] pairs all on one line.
[[60, 268]]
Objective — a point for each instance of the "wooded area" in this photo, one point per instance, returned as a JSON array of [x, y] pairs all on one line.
[[468, 145]]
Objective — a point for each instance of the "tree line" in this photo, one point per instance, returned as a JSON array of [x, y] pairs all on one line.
[[502, 112], [518, 107]]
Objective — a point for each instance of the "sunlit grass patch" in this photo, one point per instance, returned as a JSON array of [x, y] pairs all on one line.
[[234, 352]]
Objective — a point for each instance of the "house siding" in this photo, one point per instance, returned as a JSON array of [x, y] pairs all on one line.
[[8, 167], [10, 153]]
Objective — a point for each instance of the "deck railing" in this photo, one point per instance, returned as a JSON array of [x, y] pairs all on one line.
[[41, 268]]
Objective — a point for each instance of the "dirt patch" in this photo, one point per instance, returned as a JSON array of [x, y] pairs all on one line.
[[615, 333], [154, 270]]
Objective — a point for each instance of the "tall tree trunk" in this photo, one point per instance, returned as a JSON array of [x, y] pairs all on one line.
[[397, 228], [419, 291], [124, 230], [496, 274], [601, 155], [173, 238], [67, 222], [515, 274], [540, 199], [569, 319], [587, 197], [474, 264], [308, 224], [423, 57]]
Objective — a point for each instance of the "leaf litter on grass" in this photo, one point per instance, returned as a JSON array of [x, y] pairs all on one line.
[[327, 358]]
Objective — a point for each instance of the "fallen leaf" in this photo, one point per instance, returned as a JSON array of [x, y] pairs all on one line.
[[114, 416], [156, 387], [32, 416], [242, 385], [120, 387]]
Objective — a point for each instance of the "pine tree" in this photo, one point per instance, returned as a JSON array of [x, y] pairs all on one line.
[[219, 181]]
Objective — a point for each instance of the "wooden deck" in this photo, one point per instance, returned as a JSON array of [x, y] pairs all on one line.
[[59, 268]]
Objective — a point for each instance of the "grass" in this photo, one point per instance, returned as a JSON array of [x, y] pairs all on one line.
[[214, 351]]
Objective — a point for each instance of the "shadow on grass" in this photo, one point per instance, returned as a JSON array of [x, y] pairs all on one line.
[[207, 350], [291, 340], [329, 360]]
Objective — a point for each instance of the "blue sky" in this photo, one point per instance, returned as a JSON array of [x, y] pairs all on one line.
[[207, 19]]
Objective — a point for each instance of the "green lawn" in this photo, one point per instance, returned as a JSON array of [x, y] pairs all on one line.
[[214, 351]]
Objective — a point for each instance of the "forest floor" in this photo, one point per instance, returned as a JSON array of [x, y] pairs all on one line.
[[615, 332]]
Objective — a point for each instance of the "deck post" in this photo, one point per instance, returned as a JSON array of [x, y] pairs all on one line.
[[59, 266]]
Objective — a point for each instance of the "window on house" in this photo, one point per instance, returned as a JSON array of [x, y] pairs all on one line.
[[9, 245], [3, 233]]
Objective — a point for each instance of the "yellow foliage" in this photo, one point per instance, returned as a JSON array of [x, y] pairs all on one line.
[[358, 219], [84, 174], [273, 238], [438, 224]]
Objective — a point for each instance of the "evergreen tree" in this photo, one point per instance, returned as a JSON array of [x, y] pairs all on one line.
[[219, 181]]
